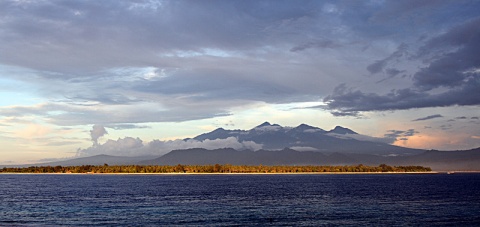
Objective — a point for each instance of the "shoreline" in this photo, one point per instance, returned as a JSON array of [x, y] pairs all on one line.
[[300, 173]]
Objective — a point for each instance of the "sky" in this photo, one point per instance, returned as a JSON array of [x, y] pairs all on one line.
[[80, 78]]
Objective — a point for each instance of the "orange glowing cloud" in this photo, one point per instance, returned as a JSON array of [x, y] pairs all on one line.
[[421, 141], [439, 141], [33, 131]]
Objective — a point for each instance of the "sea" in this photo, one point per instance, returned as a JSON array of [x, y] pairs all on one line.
[[240, 200]]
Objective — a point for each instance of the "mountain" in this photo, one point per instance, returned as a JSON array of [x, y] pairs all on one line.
[[287, 156], [437, 160], [306, 137], [466, 160], [342, 131]]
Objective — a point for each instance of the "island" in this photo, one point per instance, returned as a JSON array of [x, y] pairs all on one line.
[[217, 168]]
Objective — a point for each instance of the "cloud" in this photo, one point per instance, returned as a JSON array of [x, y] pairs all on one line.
[[129, 146], [344, 113], [393, 72], [347, 101], [125, 63], [93, 35], [304, 148], [360, 137], [379, 65], [126, 126], [445, 127], [452, 63], [394, 135], [451, 68], [68, 114], [268, 128], [316, 44], [428, 117], [33, 131], [409, 8], [97, 132]]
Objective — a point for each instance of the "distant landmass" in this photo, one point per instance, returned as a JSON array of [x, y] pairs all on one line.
[[468, 160], [306, 137], [301, 145], [92, 160]]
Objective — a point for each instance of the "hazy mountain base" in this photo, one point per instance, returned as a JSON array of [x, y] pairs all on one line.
[[437, 160], [468, 160]]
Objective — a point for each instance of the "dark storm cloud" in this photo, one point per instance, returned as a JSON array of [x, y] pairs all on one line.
[[451, 69], [347, 100], [344, 114], [455, 66], [391, 74], [399, 9], [379, 65], [428, 117]]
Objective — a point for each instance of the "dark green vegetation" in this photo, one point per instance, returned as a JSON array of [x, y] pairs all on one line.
[[217, 168]]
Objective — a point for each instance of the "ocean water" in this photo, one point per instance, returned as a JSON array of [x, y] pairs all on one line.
[[240, 200]]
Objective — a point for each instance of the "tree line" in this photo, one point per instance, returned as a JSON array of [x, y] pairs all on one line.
[[217, 168]]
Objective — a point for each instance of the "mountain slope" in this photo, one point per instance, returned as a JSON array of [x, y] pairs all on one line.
[[437, 160], [200, 156], [466, 160]]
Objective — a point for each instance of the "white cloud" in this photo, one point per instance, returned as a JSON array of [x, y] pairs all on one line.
[[313, 130], [362, 138], [129, 146], [97, 132], [304, 148], [269, 128]]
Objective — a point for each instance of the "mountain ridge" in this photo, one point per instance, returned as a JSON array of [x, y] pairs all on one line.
[[339, 139]]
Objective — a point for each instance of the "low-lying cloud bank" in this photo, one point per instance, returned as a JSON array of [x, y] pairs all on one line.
[[386, 140], [130, 146]]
